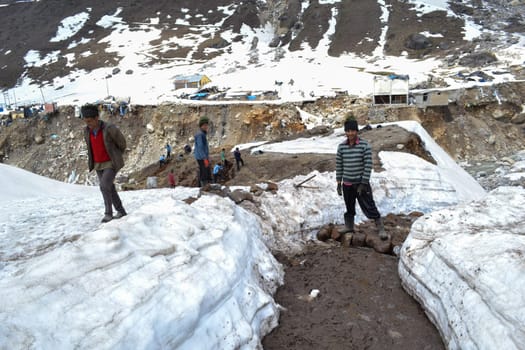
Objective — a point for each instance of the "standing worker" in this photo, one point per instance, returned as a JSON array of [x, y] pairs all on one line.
[[168, 151], [352, 170], [201, 152], [105, 144], [171, 179], [223, 157], [238, 159]]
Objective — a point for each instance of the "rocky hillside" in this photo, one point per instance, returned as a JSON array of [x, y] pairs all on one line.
[[484, 124], [199, 30]]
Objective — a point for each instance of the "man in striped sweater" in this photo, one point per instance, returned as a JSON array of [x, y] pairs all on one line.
[[353, 168]]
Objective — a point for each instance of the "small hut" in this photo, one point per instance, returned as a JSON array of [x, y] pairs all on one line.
[[391, 89], [431, 97], [191, 81]]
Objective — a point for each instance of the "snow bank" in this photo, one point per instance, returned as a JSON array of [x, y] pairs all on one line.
[[407, 184], [20, 184], [464, 264], [169, 275]]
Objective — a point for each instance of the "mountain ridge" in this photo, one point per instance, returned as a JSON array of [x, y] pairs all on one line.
[[192, 32]]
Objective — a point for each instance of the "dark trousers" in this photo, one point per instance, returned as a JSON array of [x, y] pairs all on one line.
[[204, 173], [366, 201], [239, 163], [109, 192]]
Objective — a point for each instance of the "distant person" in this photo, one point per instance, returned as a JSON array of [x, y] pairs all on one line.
[[223, 157], [353, 168], [162, 160], [201, 152], [217, 170], [238, 159], [171, 179], [105, 144], [168, 151]]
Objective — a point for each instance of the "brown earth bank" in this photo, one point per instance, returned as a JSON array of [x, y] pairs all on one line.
[[483, 124]]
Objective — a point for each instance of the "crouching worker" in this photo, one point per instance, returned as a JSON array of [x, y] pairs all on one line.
[[353, 168], [105, 144]]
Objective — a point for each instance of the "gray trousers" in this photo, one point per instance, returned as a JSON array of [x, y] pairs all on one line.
[[109, 192]]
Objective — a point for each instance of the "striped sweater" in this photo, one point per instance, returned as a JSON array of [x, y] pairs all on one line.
[[353, 164]]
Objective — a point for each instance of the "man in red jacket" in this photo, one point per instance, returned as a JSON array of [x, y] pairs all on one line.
[[105, 144]]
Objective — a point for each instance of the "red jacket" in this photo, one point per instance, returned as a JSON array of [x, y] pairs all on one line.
[[171, 179]]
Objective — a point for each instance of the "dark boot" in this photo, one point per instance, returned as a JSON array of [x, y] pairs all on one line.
[[381, 229], [349, 222]]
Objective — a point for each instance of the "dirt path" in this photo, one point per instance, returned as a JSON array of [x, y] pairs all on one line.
[[361, 304]]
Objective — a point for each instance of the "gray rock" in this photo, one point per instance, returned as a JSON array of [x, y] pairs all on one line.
[[478, 59], [418, 42], [518, 119], [151, 182], [239, 195]]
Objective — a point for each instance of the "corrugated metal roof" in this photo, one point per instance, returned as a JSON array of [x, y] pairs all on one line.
[[189, 78]]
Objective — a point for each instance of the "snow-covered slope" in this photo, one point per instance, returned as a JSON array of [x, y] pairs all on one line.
[[83, 53]]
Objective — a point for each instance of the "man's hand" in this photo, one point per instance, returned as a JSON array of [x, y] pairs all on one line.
[[339, 189], [361, 189]]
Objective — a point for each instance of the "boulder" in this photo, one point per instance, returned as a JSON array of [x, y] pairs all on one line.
[[518, 119], [478, 59], [272, 186], [39, 140], [417, 42], [335, 234], [239, 195], [324, 233], [358, 239], [373, 241], [151, 182]]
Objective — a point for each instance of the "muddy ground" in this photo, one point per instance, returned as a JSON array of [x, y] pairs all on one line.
[[361, 303]]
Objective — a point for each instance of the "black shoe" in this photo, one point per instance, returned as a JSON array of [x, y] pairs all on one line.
[[120, 214], [106, 218]]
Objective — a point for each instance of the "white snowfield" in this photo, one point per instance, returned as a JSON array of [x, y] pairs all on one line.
[[201, 275], [169, 275], [465, 265]]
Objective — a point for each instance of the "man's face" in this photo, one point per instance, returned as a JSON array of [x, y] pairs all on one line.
[[351, 135], [91, 123], [204, 127]]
